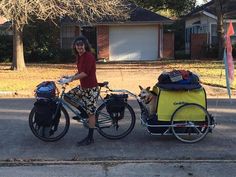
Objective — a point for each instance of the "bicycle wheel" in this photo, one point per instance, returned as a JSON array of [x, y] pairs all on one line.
[[113, 127], [190, 123], [53, 132]]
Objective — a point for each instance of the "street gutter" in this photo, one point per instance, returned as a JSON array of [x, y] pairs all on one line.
[[21, 162]]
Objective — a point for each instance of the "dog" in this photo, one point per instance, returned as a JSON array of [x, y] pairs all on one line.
[[149, 99]]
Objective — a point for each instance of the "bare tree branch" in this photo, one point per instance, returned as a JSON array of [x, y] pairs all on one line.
[[22, 11]]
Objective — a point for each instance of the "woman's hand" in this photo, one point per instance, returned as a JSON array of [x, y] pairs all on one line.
[[66, 79], [68, 76]]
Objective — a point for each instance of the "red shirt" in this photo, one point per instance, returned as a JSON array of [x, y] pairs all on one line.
[[86, 63]]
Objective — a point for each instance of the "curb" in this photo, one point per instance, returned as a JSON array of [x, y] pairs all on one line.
[[16, 94], [8, 93], [22, 162], [211, 91]]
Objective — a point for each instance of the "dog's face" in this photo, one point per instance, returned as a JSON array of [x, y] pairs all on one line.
[[145, 94]]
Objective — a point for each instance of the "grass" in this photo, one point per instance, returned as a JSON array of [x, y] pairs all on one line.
[[126, 75]]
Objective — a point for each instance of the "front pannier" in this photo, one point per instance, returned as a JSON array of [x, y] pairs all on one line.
[[115, 105], [46, 113]]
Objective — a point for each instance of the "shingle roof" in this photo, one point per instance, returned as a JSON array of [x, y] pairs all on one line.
[[141, 14], [137, 15], [228, 9]]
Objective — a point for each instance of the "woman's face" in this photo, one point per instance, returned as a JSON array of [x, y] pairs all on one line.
[[80, 47]]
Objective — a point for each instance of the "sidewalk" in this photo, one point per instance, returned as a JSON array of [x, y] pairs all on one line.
[[211, 91]]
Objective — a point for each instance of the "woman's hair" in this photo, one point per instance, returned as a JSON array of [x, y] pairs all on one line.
[[85, 41]]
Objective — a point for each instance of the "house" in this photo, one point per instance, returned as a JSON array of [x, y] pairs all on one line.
[[140, 37], [5, 26], [201, 27]]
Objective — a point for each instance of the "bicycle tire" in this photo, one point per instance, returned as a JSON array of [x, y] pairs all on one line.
[[190, 131], [115, 129], [46, 133]]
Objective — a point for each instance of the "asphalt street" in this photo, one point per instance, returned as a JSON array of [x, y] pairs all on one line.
[[138, 154]]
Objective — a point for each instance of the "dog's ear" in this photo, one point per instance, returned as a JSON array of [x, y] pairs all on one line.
[[141, 88], [148, 88]]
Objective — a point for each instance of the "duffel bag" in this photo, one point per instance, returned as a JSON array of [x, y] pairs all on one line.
[[46, 89]]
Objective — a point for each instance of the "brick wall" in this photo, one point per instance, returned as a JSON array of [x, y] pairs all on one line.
[[103, 42], [168, 45], [197, 43], [77, 31]]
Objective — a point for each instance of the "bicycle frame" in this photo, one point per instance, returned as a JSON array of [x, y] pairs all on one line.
[[70, 107], [80, 104]]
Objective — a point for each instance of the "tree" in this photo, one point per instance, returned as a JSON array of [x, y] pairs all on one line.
[[224, 9], [21, 12], [220, 26], [177, 7]]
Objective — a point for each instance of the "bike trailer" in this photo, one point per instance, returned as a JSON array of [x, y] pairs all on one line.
[[169, 101]]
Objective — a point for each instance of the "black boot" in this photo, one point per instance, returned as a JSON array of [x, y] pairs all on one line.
[[88, 140]]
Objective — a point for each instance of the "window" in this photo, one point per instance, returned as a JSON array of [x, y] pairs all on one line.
[[67, 36], [214, 38], [187, 35], [199, 29], [233, 37]]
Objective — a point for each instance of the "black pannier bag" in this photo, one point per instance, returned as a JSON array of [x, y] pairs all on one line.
[[46, 113], [116, 105]]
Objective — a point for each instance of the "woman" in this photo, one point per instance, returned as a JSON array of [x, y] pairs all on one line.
[[88, 89]]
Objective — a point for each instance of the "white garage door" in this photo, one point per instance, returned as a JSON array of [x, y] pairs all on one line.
[[128, 43]]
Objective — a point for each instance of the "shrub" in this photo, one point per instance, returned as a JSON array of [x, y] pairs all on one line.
[[6, 46], [210, 51], [180, 54], [234, 51]]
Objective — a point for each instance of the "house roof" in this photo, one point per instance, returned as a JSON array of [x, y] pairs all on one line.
[[139, 15], [136, 15], [228, 9], [199, 9]]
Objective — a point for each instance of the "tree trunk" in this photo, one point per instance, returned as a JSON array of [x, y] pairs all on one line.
[[220, 28], [18, 62]]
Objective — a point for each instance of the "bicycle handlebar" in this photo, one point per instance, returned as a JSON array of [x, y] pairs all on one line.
[[102, 84]]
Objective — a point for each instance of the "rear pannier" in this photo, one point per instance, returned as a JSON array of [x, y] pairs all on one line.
[[116, 105]]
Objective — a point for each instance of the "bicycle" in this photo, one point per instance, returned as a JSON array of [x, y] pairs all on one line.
[[112, 121], [189, 122]]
